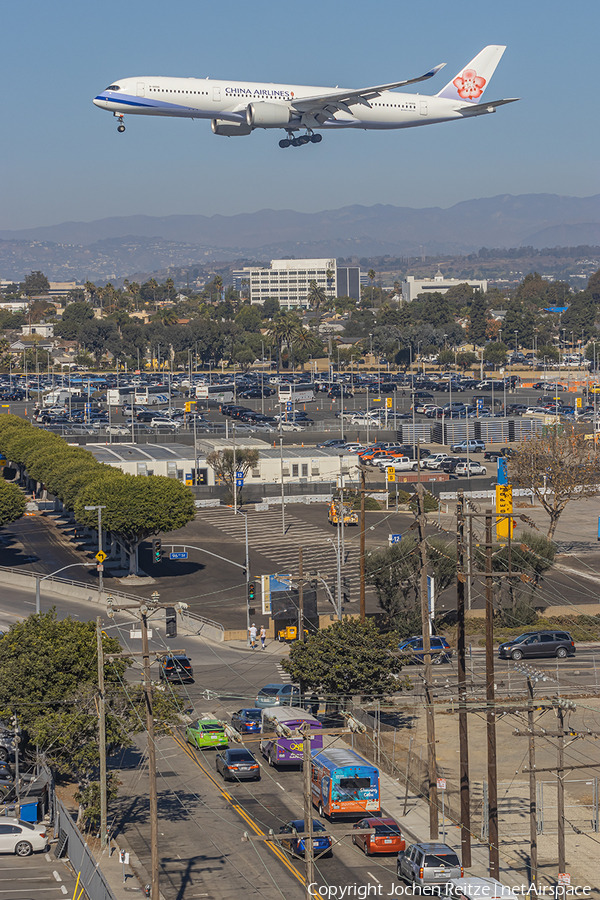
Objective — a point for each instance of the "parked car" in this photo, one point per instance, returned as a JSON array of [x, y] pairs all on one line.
[[471, 446], [118, 430], [278, 695], [334, 443], [247, 721], [160, 421], [295, 845], [428, 863], [206, 733], [237, 764], [177, 668], [22, 838], [387, 838], [538, 643], [470, 468], [441, 652], [434, 461], [449, 465]]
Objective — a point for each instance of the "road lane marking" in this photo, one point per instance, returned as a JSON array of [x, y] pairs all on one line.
[[370, 874], [277, 851], [57, 876]]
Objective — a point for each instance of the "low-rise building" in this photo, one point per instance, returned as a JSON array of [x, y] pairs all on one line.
[[412, 287], [45, 330]]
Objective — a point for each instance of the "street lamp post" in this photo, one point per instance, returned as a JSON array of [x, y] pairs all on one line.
[[100, 565], [339, 578], [38, 581]]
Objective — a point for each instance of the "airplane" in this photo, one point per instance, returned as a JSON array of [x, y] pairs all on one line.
[[237, 108]]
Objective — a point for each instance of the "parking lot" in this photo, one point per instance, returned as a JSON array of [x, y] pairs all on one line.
[[38, 876]]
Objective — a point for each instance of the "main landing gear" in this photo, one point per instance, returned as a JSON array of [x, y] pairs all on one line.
[[120, 126], [300, 141]]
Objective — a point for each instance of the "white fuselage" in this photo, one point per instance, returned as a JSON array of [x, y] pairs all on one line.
[[194, 98]]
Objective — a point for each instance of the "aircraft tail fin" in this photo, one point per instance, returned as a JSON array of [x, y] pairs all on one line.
[[471, 82]]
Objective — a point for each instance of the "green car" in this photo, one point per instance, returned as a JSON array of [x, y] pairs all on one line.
[[206, 733]]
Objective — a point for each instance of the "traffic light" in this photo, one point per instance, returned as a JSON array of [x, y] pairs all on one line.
[[171, 621], [251, 595], [156, 550]]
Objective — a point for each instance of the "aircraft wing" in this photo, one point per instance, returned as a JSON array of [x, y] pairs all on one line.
[[345, 99], [475, 108]]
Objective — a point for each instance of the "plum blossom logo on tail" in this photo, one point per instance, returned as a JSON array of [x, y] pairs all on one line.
[[469, 84]]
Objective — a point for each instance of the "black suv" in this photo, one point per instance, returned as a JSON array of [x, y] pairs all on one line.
[[176, 668], [538, 643]]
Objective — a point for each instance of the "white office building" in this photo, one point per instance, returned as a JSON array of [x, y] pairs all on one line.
[[412, 286], [288, 280]]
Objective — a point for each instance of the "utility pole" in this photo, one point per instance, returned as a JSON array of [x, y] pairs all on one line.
[[532, 788], [494, 866], [560, 786], [101, 734], [425, 624], [300, 597], [362, 545], [153, 796], [309, 853], [463, 736]]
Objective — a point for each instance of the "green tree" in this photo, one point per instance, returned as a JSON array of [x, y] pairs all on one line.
[[270, 307], [73, 319], [445, 358], [495, 353], [394, 573], [35, 283], [55, 696], [12, 502], [347, 658], [372, 274], [478, 319], [466, 360], [317, 296], [136, 507], [284, 327], [224, 466], [248, 318], [549, 352]]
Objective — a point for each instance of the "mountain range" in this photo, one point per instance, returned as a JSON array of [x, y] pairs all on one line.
[[116, 247]]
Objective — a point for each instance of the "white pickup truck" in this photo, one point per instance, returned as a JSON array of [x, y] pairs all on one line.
[[398, 463], [434, 461]]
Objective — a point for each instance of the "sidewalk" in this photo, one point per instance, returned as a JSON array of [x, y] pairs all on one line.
[[415, 825], [135, 873]]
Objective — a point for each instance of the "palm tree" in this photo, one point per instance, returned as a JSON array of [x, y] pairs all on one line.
[[307, 340], [166, 316], [372, 275], [284, 327], [316, 296]]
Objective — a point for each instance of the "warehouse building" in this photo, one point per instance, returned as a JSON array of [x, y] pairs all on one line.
[[412, 287]]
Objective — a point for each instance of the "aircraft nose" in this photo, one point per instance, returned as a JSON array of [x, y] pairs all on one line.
[[100, 101]]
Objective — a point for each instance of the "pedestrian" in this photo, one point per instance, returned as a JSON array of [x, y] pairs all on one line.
[[252, 634], [263, 636]]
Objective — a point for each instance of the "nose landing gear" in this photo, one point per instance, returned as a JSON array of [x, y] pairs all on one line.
[[292, 141], [120, 126]]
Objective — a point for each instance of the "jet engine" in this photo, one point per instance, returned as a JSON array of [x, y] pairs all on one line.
[[229, 129], [268, 115]]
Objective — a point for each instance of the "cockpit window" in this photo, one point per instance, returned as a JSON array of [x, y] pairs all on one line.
[[113, 87]]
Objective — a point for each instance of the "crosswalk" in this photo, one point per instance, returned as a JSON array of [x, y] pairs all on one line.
[[319, 546]]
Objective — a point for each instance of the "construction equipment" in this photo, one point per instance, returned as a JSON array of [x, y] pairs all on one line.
[[339, 513], [289, 634]]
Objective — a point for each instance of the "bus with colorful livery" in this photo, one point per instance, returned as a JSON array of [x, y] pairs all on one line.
[[344, 784], [286, 751]]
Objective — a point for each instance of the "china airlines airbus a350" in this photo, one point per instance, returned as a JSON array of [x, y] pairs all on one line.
[[238, 107]]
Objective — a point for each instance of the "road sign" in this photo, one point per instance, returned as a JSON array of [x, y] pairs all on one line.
[[394, 538], [179, 555], [391, 473], [100, 567], [388, 402], [441, 784], [288, 406], [564, 878], [136, 633], [578, 402], [113, 398], [504, 506], [100, 556]]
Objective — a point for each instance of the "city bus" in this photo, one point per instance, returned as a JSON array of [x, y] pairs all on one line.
[[296, 393], [344, 784], [220, 393], [282, 751]]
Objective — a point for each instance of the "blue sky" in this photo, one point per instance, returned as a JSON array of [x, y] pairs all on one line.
[[63, 159]]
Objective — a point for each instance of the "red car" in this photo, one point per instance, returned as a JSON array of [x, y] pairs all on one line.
[[387, 838]]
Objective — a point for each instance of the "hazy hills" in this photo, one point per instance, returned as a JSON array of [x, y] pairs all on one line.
[[120, 246]]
